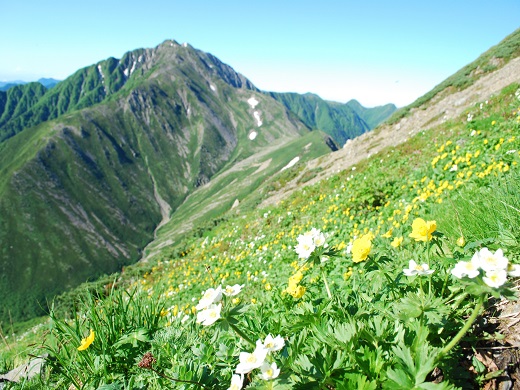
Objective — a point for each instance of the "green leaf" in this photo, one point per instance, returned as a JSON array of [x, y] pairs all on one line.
[[356, 381], [398, 380], [478, 365], [492, 375], [436, 386], [139, 335]]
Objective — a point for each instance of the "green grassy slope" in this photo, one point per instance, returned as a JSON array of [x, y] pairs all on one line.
[[338, 120], [349, 321], [16, 101], [238, 182], [373, 116]]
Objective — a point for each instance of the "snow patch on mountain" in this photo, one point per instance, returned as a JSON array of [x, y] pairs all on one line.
[[291, 163], [253, 102], [101, 73], [102, 78], [259, 122]]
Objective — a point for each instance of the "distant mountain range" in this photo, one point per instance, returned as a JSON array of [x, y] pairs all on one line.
[[341, 121], [47, 83], [92, 166]]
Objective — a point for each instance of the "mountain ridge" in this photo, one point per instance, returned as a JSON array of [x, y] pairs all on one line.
[[103, 176]]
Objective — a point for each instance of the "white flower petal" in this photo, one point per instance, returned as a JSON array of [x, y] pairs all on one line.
[[495, 278], [237, 381], [269, 371]]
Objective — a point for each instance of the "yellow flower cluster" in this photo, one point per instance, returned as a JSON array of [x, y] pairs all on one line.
[[257, 246], [295, 289]]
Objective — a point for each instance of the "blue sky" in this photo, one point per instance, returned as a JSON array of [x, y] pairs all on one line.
[[373, 51]]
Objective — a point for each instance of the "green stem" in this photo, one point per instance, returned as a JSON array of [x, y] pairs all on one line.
[[326, 284], [428, 248], [430, 286], [241, 334], [445, 283], [464, 329]]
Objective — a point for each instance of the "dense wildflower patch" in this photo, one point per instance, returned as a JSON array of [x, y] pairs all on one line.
[[364, 282]]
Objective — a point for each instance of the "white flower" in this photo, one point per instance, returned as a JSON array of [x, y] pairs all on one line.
[[454, 168], [231, 291], [236, 382], [211, 296], [495, 278], [269, 371], [250, 361], [271, 344], [209, 315], [349, 248], [490, 261], [305, 246], [513, 270], [465, 268], [318, 238], [416, 269]]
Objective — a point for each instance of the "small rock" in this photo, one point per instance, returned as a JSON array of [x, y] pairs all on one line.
[[25, 371]]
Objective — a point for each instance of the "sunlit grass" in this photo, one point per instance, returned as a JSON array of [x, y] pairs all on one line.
[[352, 313]]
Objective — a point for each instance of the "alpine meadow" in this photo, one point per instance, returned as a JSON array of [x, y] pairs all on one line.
[[166, 224]]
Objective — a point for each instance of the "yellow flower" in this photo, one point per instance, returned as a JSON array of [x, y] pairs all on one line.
[[347, 274], [422, 230], [296, 278], [85, 343], [461, 241], [388, 234], [396, 243], [361, 247], [295, 290]]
